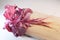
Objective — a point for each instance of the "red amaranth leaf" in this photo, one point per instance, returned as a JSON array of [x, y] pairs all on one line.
[[8, 28], [19, 20]]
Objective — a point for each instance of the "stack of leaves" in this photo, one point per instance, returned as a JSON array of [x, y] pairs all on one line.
[[19, 20]]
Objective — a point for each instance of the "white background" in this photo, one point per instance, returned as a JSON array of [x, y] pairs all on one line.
[[51, 7]]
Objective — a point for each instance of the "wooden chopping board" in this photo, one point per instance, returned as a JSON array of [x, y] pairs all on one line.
[[43, 32]]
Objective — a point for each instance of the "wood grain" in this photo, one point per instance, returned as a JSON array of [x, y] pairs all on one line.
[[43, 32]]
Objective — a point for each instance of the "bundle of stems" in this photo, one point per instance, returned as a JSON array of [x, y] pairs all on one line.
[[46, 33]]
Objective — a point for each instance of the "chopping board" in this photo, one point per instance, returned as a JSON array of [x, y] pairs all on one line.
[[38, 31]]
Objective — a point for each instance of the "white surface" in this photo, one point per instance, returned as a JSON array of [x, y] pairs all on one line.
[[51, 7]]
